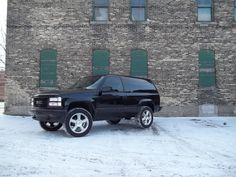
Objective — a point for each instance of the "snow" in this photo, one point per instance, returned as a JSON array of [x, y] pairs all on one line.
[[1, 107], [172, 147]]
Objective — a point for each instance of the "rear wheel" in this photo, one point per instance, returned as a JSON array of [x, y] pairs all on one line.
[[145, 117], [113, 122], [78, 122], [50, 126]]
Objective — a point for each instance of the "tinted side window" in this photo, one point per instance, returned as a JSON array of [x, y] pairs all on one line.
[[113, 82], [137, 85]]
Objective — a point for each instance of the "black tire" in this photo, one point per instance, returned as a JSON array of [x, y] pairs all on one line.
[[78, 122], [51, 126], [113, 122], [145, 117]]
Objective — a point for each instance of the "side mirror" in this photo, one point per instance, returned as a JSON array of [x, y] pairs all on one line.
[[106, 89]]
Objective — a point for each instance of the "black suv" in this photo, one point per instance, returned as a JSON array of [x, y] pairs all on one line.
[[95, 98]]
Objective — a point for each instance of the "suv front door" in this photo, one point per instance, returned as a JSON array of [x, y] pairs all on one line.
[[110, 102]]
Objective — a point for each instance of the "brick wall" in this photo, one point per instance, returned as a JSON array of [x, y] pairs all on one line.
[[172, 36]]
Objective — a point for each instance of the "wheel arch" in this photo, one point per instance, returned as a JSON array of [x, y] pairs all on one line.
[[147, 102], [85, 105]]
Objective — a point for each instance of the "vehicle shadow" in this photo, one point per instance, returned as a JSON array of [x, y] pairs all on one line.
[[102, 128], [123, 127]]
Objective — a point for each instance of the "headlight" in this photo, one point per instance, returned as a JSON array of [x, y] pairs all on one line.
[[55, 101], [32, 101]]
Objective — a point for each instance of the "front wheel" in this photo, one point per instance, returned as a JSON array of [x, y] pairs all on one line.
[[50, 126], [78, 122], [145, 117]]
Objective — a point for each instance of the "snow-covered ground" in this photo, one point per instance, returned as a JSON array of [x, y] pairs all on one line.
[[173, 147], [1, 107]]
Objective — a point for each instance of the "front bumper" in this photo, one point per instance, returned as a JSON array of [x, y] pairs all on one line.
[[55, 115]]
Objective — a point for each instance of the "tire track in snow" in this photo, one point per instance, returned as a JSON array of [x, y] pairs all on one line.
[[134, 160], [183, 142], [217, 163], [154, 129]]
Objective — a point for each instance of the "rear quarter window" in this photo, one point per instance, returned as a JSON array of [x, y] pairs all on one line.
[[137, 85]]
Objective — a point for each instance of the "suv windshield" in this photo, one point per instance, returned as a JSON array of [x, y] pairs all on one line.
[[90, 82]]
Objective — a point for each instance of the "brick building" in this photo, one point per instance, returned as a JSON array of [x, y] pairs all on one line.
[[187, 47], [2, 84]]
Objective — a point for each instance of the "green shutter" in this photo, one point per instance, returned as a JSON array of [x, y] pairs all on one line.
[[206, 58], [206, 79], [48, 68], [100, 62], [139, 63], [207, 76]]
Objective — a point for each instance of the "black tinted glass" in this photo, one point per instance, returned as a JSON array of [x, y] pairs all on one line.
[[137, 85], [91, 82], [113, 82]]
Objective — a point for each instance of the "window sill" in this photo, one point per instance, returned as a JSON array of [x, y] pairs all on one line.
[[100, 22], [139, 22], [48, 88], [211, 88], [206, 23]]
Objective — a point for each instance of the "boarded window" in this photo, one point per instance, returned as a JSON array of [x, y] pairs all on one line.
[[205, 10], [100, 62], [207, 76], [139, 63], [48, 68]]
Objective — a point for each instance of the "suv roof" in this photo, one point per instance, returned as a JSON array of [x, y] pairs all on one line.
[[135, 77]]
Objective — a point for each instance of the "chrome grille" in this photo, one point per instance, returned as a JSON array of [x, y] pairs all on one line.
[[40, 102]]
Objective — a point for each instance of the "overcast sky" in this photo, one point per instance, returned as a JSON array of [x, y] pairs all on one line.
[[3, 16]]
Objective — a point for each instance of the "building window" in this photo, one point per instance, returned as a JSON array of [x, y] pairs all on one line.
[[100, 62], [139, 63], [235, 10], [205, 10], [138, 10], [207, 76], [100, 10], [48, 68]]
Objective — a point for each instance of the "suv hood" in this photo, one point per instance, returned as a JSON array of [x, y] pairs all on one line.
[[63, 92]]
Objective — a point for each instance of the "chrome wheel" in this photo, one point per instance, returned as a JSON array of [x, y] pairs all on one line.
[[146, 117], [79, 123]]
